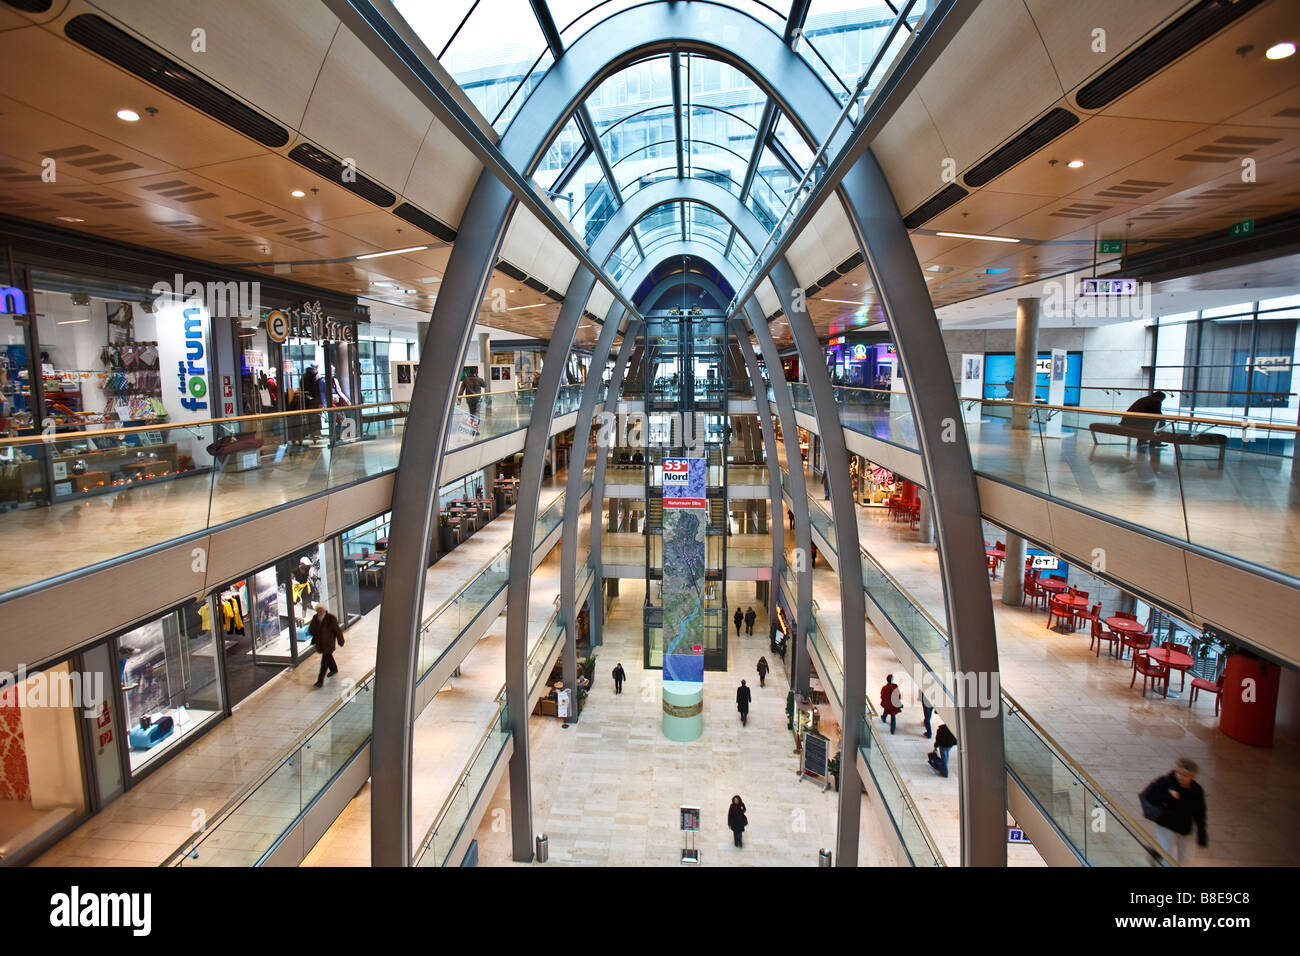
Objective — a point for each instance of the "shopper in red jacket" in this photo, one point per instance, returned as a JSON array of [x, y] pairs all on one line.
[[891, 702]]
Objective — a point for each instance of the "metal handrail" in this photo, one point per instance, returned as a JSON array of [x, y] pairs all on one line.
[[1098, 791], [157, 426], [1157, 416]]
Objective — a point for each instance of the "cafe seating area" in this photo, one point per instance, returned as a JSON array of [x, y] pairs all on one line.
[[1069, 609]]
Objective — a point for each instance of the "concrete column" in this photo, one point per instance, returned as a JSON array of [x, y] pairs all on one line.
[[1013, 572], [1026, 372], [925, 533]]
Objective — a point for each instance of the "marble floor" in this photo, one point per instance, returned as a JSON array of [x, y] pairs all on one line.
[[155, 817], [606, 791], [1122, 739]]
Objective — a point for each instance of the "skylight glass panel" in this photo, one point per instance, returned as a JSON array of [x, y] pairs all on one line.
[[841, 37], [568, 144]]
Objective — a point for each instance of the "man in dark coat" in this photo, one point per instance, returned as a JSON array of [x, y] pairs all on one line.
[[1150, 405], [944, 740], [1175, 802], [739, 618], [762, 672], [325, 634], [750, 618], [743, 697], [620, 675]]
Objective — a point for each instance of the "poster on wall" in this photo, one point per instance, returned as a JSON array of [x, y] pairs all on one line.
[[685, 519]]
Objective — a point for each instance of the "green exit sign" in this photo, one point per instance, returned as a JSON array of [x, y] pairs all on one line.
[[1107, 247], [1243, 228]]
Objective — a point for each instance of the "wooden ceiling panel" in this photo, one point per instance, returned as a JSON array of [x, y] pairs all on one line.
[[1214, 82], [87, 92], [265, 53]]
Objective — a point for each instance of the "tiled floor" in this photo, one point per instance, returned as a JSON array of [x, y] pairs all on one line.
[[606, 791], [152, 819]]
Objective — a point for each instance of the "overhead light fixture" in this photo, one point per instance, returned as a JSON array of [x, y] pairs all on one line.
[[129, 116], [392, 252], [431, 279], [297, 194], [1280, 51], [970, 235], [1075, 164], [843, 301], [69, 219], [535, 305], [72, 322]]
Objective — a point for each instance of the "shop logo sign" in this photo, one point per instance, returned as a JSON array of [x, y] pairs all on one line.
[[219, 298], [193, 372], [12, 300], [277, 326], [310, 322]]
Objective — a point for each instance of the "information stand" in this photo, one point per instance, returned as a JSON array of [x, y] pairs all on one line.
[[816, 757], [690, 826]]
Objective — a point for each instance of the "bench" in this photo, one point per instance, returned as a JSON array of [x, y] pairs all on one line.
[[1128, 433]]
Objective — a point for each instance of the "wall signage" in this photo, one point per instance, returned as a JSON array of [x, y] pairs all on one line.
[[308, 322], [1108, 287], [12, 300], [277, 326], [193, 369]]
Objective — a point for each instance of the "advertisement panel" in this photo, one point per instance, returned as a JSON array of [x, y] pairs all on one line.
[[686, 516]]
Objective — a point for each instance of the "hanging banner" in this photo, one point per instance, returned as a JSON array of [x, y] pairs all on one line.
[[686, 517]]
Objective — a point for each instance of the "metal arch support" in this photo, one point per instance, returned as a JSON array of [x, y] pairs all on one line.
[[573, 503], [798, 491], [949, 474], [415, 490], [519, 579], [853, 604], [598, 480], [672, 282], [764, 412]]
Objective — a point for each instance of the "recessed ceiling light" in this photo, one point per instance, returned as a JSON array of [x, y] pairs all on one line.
[[1280, 51], [129, 116], [297, 194], [854, 284], [69, 219], [1075, 164], [969, 235]]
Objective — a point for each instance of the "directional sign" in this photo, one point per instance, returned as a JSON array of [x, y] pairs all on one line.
[[1107, 247], [1243, 228], [1108, 287]]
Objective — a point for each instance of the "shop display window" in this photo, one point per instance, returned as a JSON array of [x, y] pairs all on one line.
[[168, 675], [42, 791]]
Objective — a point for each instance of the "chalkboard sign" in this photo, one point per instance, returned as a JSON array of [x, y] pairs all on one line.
[[816, 753]]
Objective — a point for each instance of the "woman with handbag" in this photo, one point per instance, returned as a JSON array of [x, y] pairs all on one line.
[[736, 819]]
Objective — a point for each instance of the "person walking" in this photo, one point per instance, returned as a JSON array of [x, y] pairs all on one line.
[[472, 387], [890, 706], [826, 486], [736, 820], [750, 618], [944, 740], [762, 671], [325, 634], [743, 697], [1174, 803], [739, 618], [620, 675], [927, 710], [790, 515]]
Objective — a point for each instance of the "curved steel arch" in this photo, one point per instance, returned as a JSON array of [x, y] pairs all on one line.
[[604, 49]]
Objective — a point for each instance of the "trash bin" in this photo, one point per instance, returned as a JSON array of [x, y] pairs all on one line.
[[823, 857], [544, 849]]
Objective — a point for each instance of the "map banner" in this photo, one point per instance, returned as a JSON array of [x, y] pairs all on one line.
[[686, 516]]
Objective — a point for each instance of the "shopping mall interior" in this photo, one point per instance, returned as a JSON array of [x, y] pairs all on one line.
[[935, 360]]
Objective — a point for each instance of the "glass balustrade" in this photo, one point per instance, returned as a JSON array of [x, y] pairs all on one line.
[[251, 824], [454, 815]]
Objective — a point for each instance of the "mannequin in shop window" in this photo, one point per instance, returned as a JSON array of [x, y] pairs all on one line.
[[303, 589]]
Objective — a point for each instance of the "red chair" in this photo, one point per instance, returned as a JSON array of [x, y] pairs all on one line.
[[1127, 615], [991, 563], [1150, 670], [1134, 642], [1034, 592], [1100, 633], [1062, 612], [1214, 687]]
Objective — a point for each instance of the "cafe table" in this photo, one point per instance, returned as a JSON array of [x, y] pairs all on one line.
[[1074, 602], [1054, 585], [1174, 660], [998, 555]]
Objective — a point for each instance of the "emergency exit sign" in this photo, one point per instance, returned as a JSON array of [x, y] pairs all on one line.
[[1243, 228], [1107, 247]]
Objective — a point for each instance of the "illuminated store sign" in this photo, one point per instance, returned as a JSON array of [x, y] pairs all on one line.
[[12, 300]]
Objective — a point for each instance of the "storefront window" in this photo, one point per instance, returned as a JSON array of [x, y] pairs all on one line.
[[41, 786], [168, 675], [364, 550]]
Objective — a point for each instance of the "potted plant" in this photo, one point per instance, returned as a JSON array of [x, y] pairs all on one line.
[[833, 768], [444, 533]]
